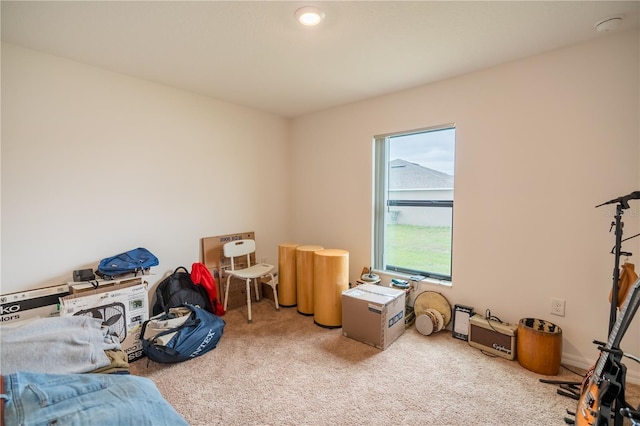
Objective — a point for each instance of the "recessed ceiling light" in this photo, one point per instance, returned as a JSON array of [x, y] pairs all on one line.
[[608, 24], [309, 16]]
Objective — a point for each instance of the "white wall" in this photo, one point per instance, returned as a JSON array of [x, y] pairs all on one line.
[[539, 142], [96, 163]]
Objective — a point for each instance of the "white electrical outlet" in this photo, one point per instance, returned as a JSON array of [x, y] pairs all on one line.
[[557, 307]]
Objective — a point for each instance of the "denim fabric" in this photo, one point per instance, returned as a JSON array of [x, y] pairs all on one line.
[[85, 399]]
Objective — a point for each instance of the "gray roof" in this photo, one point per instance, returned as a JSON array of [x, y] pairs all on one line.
[[406, 175]]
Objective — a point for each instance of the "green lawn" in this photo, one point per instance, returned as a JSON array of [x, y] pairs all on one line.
[[423, 248]]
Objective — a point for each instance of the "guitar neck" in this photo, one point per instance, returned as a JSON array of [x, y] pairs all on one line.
[[627, 312]]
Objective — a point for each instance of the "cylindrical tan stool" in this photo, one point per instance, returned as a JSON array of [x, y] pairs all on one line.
[[539, 346], [287, 274], [304, 278], [330, 279]]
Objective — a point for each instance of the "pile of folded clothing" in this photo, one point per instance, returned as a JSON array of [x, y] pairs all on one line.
[[75, 344]]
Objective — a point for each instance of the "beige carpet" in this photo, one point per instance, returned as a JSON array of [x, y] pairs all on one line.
[[285, 370]]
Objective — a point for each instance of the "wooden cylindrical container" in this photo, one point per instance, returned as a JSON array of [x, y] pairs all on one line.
[[539, 346], [287, 274], [304, 278], [330, 279]]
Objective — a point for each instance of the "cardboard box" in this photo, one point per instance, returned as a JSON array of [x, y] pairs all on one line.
[[373, 314], [214, 259], [237, 292], [101, 285], [123, 308], [213, 256], [42, 302], [267, 290]]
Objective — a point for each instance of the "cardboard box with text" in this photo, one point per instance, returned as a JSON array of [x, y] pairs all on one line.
[[122, 308], [42, 302], [373, 314]]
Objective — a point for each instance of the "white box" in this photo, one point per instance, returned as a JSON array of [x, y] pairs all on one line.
[[373, 314], [123, 309], [42, 302]]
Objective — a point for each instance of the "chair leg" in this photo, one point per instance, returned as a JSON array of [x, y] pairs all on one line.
[[275, 291], [255, 282], [226, 293], [249, 300]]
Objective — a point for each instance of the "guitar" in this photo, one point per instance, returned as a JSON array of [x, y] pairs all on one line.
[[600, 391]]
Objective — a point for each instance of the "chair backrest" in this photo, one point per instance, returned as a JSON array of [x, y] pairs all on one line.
[[239, 248]]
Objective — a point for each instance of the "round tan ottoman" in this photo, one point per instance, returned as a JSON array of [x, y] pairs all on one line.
[[287, 274], [539, 346], [330, 279], [304, 277]]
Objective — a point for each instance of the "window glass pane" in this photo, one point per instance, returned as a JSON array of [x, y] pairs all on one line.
[[415, 218], [433, 151], [419, 248]]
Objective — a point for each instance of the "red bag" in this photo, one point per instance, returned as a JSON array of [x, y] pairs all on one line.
[[200, 275]]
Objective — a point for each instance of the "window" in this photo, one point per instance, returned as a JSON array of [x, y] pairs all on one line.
[[413, 213]]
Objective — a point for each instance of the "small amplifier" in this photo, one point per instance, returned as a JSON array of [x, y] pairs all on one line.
[[492, 336]]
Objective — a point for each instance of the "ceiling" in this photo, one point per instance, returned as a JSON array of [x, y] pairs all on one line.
[[255, 54]]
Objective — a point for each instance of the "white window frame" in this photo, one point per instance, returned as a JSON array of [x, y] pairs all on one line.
[[380, 191]]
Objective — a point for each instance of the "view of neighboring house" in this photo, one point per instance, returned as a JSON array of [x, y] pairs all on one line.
[[411, 181]]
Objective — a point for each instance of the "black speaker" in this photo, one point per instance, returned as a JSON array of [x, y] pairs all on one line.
[[83, 275], [461, 316]]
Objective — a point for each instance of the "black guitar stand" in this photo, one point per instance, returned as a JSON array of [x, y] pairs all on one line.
[[620, 405], [620, 401], [627, 410], [623, 204], [572, 389], [632, 415]]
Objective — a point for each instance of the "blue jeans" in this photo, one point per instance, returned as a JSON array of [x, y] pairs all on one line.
[[85, 399]]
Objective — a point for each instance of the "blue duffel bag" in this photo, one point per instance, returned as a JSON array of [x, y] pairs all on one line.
[[183, 333]]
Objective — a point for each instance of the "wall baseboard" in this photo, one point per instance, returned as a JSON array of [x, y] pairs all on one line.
[[579, 362]]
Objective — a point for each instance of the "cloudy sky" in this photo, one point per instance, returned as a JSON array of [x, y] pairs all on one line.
[[434, 149]]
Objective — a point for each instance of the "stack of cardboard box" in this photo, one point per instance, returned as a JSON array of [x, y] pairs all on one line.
[[123, 305]]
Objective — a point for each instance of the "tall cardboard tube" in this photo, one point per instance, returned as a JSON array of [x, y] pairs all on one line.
[[287, 274], [304, 277], [330, 279]]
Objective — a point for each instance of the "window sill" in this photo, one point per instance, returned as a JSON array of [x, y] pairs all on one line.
[[387, 276], [437, 282]]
